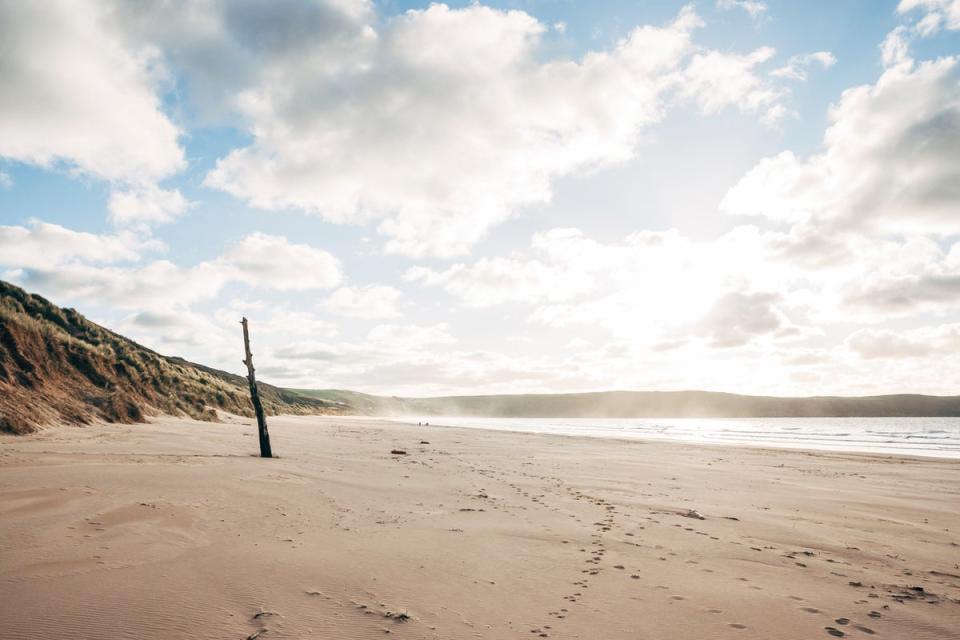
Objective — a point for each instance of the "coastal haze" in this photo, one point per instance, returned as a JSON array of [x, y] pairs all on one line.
[[479, 319], [638, 404]]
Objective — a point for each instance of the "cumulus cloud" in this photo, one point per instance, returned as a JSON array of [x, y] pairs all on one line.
[[276, 319], [407, 368], [42, 245], [433, 125], [445, 122], [221, 48], [797, 66], [77, 92], [259, 260], [753, 7], [172, 332], [890, 161], [737, 317], [371, 301], [410, 336], [566, 264], [938, 341], [664, 290], [273, 262], [187, 332], [157, 285], [452, 124], [935, 14], [496, 280], [895, 48], [716, 80], [146, 205], [657, 288], [906, 294]]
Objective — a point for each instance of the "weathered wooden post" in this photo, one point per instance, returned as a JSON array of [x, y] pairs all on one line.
[[265, 451]]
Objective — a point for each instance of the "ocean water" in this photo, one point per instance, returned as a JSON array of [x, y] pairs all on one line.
[[934, 437]]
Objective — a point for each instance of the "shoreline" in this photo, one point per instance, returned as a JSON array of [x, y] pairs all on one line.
[[668, 440], [386, 422], [177, 528]]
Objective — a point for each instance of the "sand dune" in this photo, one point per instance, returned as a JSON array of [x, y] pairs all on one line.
[[174, 529]]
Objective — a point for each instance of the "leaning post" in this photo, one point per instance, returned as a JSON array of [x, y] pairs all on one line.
[[265, 451]]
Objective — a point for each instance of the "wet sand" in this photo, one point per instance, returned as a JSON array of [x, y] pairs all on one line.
[[176, 530]]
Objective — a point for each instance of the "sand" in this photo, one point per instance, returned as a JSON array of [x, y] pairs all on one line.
[[175, 530]]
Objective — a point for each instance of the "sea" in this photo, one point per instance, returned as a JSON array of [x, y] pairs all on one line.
[[930, 437]]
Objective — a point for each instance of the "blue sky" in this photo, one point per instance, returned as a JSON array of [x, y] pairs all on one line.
[[510, 196]]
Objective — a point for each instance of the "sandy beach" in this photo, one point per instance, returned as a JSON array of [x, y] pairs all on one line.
[[175, 529]]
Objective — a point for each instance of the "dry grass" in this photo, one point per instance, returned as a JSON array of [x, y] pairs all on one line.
[[57, 366]]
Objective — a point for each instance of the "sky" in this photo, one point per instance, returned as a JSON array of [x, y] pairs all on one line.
[[407, 198]]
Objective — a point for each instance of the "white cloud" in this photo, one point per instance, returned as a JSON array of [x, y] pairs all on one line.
[[371, 301], [796, 67], [273, 262], [395, 336], [736, 318], [155, 286], [76, 91], [895, 48], [62, 263], [652, 287], [936, 14], [145, 205], [445, 122], [6, 180], [172, 332], [906, 294], [216, 336], [890, 163], [940, 341], [663, 290], [220, 48], [716, 80], [406, 367], [42, 245], [752, 7], [276, 320], [491, 281]]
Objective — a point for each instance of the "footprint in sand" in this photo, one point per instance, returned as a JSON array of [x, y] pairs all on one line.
[[737, 625], [834, 632], [811, 610], [863, 629]]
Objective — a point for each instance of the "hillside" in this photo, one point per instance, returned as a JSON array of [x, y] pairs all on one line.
[[57, 366], [643, 404]]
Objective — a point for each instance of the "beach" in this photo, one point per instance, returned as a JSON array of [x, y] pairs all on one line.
[[175, 529]]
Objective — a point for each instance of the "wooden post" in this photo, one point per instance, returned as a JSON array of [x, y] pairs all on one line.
[[265, 451]]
